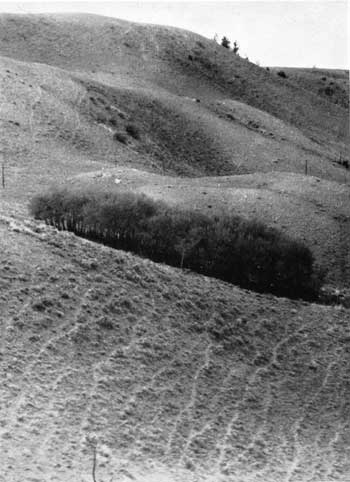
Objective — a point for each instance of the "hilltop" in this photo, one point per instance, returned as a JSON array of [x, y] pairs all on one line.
[[180, 377]]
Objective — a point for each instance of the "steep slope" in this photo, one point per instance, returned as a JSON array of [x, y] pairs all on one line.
[[177, 376], [115, 52]]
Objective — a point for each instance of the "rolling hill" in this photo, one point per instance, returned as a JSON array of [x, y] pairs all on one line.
[[179, 61], [159, 72], [178, 376], [59, 120]]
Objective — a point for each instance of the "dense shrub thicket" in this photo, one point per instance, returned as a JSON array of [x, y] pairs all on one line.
[[242, 252]]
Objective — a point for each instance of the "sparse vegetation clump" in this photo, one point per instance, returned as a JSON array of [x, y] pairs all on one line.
[[120, 137], [246, 253], [225, 42], [343, 162], [133, 131], [329, 91]]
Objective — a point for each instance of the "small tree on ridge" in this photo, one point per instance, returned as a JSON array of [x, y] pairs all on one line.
[[225, 42]]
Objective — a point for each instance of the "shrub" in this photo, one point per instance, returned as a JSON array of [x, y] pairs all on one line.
[[344, 162], [282, 74], [120, 137], [105, 323], [225, 42], [246, 253], [133, 131], [329, 91], [113, 122]]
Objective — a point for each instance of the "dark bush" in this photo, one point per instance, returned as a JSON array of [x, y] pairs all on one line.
[[246, 253], [120, 137], [344, 162], [328, 91], [133, 131], [282, 74], [105, 323], [113, 122], [225, 42]]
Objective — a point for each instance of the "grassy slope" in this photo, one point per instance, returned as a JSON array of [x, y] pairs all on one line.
[[56, 111], [247, 120], [317, 80], [179, 376], [158, 56], [56, 124]]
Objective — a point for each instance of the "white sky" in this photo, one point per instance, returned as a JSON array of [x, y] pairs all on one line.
[[290, 33]]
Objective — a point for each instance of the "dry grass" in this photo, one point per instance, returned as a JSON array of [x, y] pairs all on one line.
[[141, 73], [180, 377], [317, 80], [158, 56]]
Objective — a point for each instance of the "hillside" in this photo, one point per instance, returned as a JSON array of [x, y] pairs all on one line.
[[180, 377], [57, 111], [327, 83], [57, 123], [118, 52], [199, 109]]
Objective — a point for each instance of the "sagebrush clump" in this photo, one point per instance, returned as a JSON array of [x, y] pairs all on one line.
[[133, 131], [246, 253], [120, 137]]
